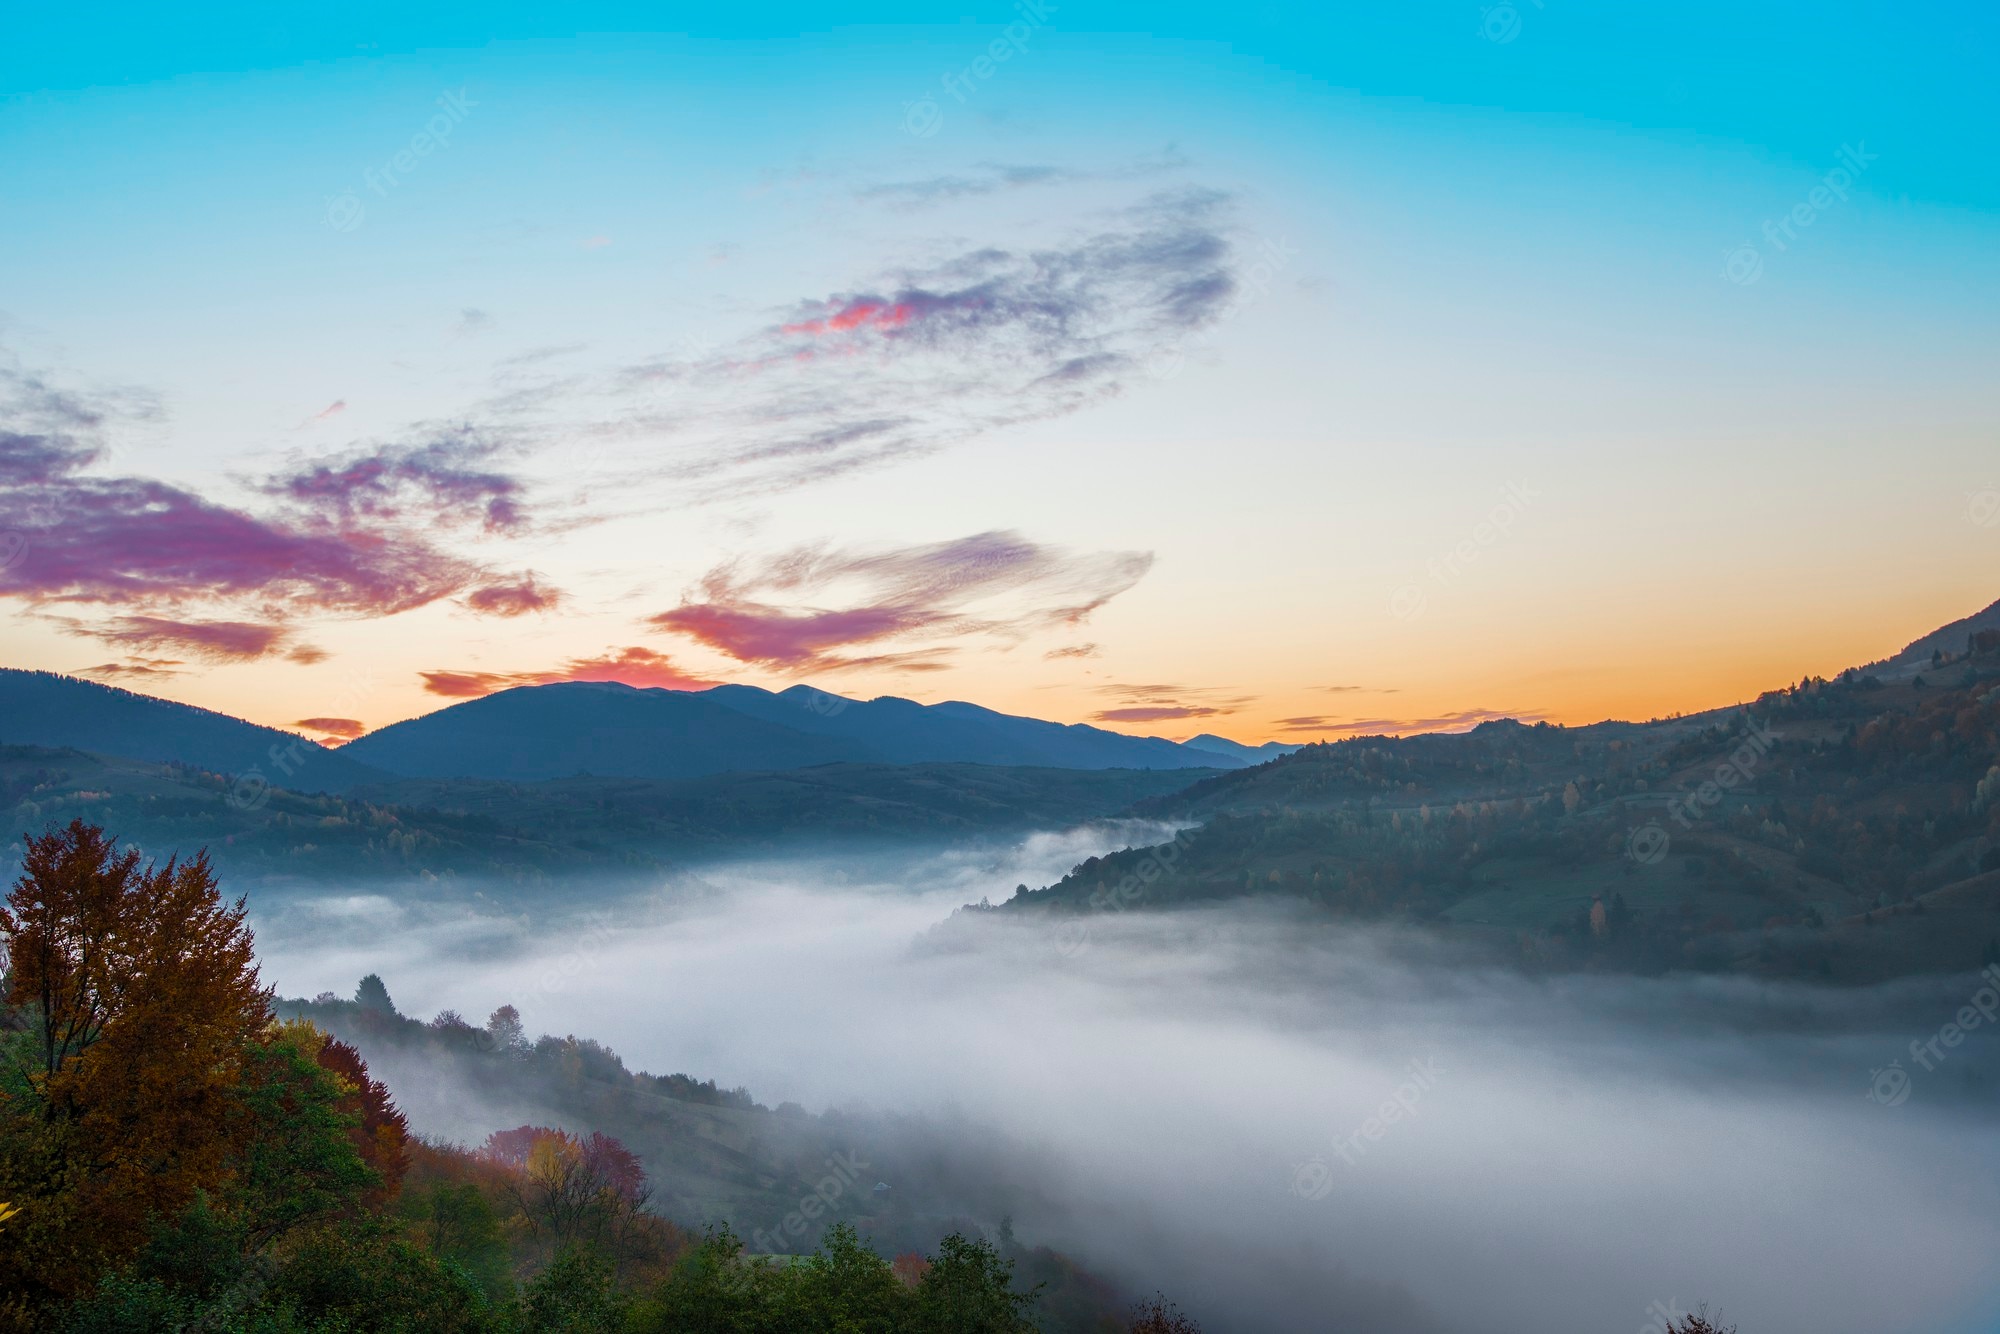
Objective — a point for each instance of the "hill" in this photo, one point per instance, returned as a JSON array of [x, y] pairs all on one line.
[[1845, 829], [44, 709], [610, 730]]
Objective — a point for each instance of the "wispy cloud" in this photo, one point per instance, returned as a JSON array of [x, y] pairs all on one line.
[[802, 609], [634, 666], [213, 641], [932, 355], [516, 598], [1156, 713], [1461, 721]]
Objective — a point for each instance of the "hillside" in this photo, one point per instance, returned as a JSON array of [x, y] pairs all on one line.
[[44, 709], [1845, 829]]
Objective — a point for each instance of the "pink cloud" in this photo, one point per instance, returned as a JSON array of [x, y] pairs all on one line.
[[215, 641], [1156, 713], [345, 729], [989, 584], [515, 599], [634, 666]]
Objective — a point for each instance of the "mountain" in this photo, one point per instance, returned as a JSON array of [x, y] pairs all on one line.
[[610, 730], [1222, 745], [44, 709]]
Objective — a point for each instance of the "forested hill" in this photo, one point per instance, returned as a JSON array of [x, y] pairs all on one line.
[[1845, 829]]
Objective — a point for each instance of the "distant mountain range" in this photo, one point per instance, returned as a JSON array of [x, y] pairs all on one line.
[[609, 730], [573, 729]]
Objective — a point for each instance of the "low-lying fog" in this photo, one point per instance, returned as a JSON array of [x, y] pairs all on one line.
[[1189, 1093]]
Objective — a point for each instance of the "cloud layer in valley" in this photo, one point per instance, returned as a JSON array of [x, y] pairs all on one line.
[[1183, 1100]]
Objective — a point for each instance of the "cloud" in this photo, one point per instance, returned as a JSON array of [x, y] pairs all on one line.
[[133, 667], [927, 356], [1462, 721], [327, 413], [991, 178], [468, 685], [800, 609], [213, 641], [514, 599], [1155, 702], [471, 320], [346, 729], [135, 541], [634, 666], [438, 482], [1157, 713], [1073, 651]]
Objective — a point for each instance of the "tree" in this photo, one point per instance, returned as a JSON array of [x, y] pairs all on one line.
[[142, 997], [1160, 1316], [1699, 1323], [380, 1134], [504, 1031], [969, 1290], [373, 994]]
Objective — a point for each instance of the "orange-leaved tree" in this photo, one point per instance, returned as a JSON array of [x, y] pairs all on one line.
[[139, 994]]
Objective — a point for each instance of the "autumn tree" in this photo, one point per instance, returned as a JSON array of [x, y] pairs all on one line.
[[141, 997]]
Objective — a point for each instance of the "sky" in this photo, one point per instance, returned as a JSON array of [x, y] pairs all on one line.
[[1281, 372]]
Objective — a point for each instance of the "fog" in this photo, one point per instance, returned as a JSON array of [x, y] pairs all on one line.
[[1184, 1100]]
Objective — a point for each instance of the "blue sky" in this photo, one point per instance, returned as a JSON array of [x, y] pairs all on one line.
[[1468, 249]]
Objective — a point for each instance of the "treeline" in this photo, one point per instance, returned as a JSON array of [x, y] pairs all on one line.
[[174, 1156]]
